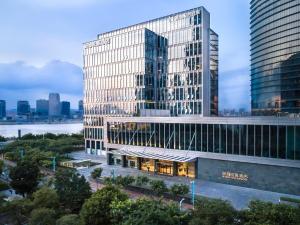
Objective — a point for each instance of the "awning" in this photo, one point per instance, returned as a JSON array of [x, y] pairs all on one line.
[[150, 154]]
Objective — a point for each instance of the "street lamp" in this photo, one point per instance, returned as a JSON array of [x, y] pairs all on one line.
[[180, 203], [193, 193]]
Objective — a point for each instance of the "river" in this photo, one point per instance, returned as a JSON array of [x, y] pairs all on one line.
[[12, 130]]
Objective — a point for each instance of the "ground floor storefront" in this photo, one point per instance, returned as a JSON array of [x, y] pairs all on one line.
[[156, 166]]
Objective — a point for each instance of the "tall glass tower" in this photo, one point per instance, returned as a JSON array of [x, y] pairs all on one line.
[[275, 56], [169, 64]]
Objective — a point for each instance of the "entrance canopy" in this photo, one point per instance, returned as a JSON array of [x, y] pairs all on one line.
[[152, 154]]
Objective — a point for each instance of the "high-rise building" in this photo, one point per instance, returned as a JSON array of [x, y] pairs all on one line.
[[54, 105], [2, 109], [151, 99], [170, 63], [65, 109], [275, 56], [23, 108], [42, 107], [80, 105]]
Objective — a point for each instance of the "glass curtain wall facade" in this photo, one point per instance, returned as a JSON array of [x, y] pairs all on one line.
[[271, 141], [275, 56], [170, 63]]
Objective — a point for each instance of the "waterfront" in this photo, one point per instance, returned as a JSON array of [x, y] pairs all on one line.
[[12, 130]]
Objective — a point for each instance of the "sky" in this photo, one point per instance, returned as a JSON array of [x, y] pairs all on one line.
[[41, 43]]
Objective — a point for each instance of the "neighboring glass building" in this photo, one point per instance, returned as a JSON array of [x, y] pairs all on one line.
[[2, 109], [23, 108], [54, 105], [42, 107], [170, 63], [65, 109], [275, 56]]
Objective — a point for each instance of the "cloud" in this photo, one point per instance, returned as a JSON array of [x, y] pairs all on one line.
[[234, 89], [21, 81]]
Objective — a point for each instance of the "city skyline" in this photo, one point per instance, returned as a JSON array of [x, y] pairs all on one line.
[[52, 63]]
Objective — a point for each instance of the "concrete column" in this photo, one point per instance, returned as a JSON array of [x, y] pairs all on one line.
[[109, 159], [155, 166], [175, 169], [196, 168], [139, 163], [124, 161]]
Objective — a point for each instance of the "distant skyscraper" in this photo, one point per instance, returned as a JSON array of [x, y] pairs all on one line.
[[23, 108], [54, 104], [42, 107], [2, 109], [275, 56], [65, 109], [80, 105]]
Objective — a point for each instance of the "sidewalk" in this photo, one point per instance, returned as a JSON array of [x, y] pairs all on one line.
[[238, 196]]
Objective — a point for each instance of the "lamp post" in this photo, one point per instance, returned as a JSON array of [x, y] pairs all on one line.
[[193, 193], [54, 163], [180, 204]]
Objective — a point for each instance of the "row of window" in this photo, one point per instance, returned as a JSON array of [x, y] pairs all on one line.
[[251, 140]]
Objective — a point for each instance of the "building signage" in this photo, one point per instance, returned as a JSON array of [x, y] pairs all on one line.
[[103, 41], [235, 176], [185, 15]]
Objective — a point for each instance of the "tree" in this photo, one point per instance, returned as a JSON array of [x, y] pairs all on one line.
[[2, 139], [24, 177], [124, 181], [179, 189], [19, 210], [158, 187], [70, 219], [42, 216], [45, 198], [141, 180], [271, 214], [1, 166], [96, 174], [145, 211], [213, 212], [72, 189], [97, 209]]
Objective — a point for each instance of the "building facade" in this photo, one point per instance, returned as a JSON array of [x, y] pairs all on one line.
[[151, 100], [23, 108], [275, 56], [65, 109], [170, 63], [54, 105], [2, 109], [42, 107]]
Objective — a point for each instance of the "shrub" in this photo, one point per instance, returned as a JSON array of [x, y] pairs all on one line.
[[3, 186], [179, 189], [108, 181], [158, 187], [124, 181], [42, 216], [141, 180], [97, 173]]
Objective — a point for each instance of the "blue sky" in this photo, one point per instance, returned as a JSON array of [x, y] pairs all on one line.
[[41, 43]]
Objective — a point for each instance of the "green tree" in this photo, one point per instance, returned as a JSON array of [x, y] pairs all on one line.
[[179, 189], [42, 216], [45, 198], [70, 219], [270, 214], [2, 139], [19, 210], [72, 189], [213, 212], [24, 177], [1, 166], [96, 174], [145, 212], [97, 209], [141, 181], [159, 187]]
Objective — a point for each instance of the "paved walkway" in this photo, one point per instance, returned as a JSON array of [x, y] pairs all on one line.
[[238, 196]]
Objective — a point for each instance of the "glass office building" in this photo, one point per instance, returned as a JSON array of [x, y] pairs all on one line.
[[151, 103], [170, 63], [275, 56]]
